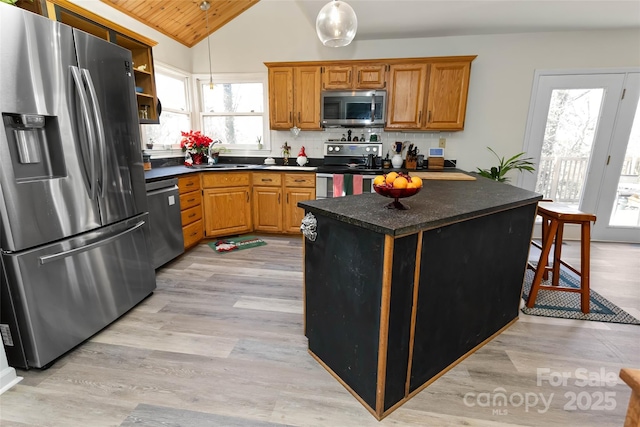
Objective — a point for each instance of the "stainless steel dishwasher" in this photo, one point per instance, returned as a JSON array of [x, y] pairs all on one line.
[[165, 220]]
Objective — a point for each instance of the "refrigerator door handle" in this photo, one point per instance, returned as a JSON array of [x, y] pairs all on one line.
[[84, 105], [50, 258], [97, 119]]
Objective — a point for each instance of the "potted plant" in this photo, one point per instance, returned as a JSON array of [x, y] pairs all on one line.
[[497, 173], [195, 145]]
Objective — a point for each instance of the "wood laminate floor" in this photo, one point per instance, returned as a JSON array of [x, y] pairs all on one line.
[[220, 343]]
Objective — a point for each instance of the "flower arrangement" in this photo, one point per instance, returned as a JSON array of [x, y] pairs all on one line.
[[194, 142]]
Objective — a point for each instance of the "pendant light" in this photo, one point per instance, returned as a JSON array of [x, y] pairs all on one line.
[[336, 24], [205, 5]]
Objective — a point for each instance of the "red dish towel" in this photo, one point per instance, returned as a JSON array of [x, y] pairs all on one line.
[[338, 182], [357, 184]]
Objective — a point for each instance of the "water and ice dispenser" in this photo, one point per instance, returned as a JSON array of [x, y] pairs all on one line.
[[34, 145]]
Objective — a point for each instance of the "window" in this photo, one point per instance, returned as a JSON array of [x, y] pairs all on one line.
[[233, 111], [172, 89]]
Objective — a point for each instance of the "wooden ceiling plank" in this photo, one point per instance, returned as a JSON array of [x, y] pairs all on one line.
[[182, 20]]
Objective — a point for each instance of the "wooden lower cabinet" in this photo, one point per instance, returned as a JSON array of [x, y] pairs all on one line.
[[267, 209], [298, 187], [292, 213], [275, 200], [216, 204], [191, 209], [227, 203]]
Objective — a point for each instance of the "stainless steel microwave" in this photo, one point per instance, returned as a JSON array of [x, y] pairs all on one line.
[[353, 108]]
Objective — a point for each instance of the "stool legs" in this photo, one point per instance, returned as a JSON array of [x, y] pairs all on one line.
[[557, 250], [547, 239], [585, 267]]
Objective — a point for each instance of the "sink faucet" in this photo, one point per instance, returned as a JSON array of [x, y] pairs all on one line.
[[210, 153]]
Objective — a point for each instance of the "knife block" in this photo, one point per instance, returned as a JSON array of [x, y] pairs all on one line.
[[410, 163]]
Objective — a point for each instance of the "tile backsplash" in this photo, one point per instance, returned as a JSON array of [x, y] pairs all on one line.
[[313, 140]]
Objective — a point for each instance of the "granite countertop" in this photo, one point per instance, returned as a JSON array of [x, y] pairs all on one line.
[[174, 171], [439, 203]]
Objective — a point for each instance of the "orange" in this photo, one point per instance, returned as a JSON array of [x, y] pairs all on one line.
[[400, 182], [378, 180], [391, 176], [411, 184], [417, 181]]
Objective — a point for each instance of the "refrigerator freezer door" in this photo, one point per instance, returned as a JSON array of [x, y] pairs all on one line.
[[108, 76], [36, 82], [65, 292]]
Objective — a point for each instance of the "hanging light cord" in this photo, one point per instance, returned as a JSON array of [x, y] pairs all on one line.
[[209, 49]]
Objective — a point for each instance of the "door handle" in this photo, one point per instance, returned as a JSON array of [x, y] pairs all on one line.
[[86, 119], [97, 119], [50, 258]]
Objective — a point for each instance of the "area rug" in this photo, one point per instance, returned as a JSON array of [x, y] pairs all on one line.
[[236, 243], [567, 304]]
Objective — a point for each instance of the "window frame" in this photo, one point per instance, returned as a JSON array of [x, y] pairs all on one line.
[[220, 78], [187, 77]]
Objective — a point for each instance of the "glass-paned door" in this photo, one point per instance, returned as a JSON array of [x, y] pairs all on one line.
[[578, 133]]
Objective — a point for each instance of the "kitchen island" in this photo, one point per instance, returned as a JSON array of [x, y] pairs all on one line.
[[394, 299]]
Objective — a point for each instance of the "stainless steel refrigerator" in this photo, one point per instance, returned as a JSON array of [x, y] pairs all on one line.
[[74, 224]]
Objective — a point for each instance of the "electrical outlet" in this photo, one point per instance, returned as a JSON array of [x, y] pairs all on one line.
[[442, 143]]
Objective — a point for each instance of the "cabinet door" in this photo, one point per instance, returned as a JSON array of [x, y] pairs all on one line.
[[292, 213], [447, 99], [406, 96], [226, 211], [267, 209], [307, 98], [281, 98], [337, 77], [370, 76]]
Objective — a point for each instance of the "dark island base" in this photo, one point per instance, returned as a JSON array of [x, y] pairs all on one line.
[[389, 315], [416, 391]]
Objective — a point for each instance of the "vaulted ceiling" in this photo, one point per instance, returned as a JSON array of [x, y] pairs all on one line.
[[182, 20]]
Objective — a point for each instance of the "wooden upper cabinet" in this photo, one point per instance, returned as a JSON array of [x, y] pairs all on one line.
[[371, 76], [306, 97], [354, 77], [405, 97], [281, 98], [447, 97], [423, 94], [294, 97], [337, 77]]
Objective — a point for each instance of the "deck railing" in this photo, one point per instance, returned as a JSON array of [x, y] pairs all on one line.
[[561, 178]]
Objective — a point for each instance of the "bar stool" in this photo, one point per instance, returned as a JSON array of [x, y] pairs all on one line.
[[554, 217]]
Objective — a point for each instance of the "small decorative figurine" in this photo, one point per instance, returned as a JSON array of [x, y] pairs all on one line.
[[349, 135], [302, 157], [286, 151]]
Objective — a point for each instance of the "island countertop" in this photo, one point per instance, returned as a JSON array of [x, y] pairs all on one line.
[[439, 203]]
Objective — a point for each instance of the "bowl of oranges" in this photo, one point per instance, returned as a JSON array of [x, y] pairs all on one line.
[[397, 185]]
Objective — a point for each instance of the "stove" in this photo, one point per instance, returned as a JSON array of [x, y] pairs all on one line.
[[348, 152]]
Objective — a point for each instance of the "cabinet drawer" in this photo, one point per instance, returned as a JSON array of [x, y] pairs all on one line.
[[224, 179], [300, 180], [267, 179], [188, 183], [189, 200], [191, 215], [192, 233]]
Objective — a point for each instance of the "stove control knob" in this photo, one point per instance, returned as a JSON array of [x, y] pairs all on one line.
[[330, 148], [367, 149], [337, 148], [375, 148]]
